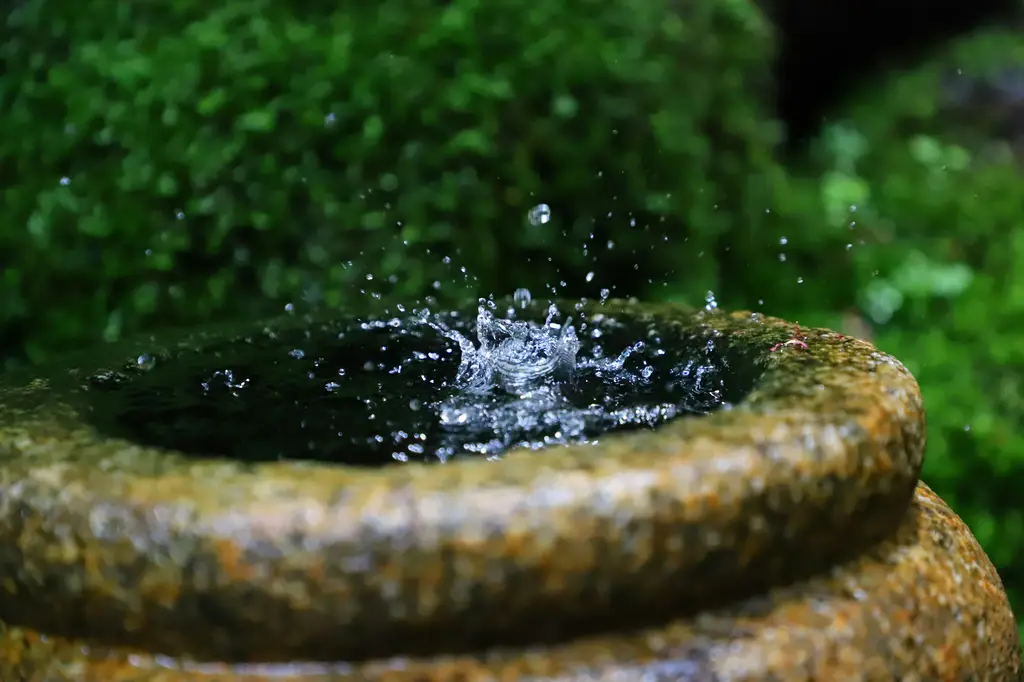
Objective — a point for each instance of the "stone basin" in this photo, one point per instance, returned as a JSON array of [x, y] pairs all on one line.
[[784, 538]]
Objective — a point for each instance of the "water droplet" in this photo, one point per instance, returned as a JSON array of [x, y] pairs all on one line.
[[783, 240], [539, 214], [590, 276], [710, 301], [145, 361], [522, 297]]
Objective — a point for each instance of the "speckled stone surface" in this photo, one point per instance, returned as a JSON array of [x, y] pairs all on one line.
[[132, 560], [924, 605]]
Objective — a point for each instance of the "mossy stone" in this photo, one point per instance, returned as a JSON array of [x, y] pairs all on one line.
[[778, 539]]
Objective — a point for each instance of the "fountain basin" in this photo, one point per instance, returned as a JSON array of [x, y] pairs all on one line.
[[786, 535]]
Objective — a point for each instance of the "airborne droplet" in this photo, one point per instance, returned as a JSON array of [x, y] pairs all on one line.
[[539, 214]]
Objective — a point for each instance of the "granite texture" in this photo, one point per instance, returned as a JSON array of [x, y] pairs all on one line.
[[924, 604], [133, 560]]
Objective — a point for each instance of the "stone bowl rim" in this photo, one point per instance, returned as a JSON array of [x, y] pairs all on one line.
[[328, 506]]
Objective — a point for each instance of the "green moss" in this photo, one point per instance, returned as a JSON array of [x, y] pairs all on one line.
[[931, 159], [268, 151]]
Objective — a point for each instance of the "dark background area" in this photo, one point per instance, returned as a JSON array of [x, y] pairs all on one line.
[[828, 49]]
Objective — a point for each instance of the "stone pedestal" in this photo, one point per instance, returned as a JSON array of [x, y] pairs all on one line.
[[787, 538]]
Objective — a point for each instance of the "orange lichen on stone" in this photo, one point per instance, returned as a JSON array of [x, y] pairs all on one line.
[[845, 624], [782, 539]]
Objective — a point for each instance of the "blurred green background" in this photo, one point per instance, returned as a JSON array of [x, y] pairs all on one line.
[[173, 162]]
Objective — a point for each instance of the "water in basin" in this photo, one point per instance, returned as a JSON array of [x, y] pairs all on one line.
[[418, 386]]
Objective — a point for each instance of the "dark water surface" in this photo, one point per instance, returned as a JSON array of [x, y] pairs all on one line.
[[384, 392]]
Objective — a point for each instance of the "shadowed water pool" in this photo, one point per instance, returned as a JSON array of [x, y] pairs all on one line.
[[417, 387]]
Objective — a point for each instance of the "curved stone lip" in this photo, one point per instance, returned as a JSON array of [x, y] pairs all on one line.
[[932, 560], [296, 560]]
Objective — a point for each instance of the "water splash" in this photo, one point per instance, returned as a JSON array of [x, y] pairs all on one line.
[[418, 385], [518, 381], [513, 355]]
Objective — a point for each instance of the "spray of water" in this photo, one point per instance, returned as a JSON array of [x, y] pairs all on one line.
[[523, 383], [516, 382]]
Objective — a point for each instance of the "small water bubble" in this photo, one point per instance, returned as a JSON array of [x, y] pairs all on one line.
[[605, 293], [415, 404], [65, 181], [590, 276], [539, 214], [799, 280], [522, 297], [145, 361], [297, 353], [710, 302], [332, 386], [783, 240], [782, 258]]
